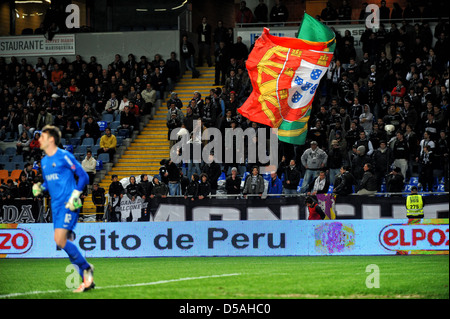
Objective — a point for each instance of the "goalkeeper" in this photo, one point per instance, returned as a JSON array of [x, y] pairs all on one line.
[[59, 169]]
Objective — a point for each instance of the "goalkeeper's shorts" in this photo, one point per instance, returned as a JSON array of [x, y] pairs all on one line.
[[64, 217]]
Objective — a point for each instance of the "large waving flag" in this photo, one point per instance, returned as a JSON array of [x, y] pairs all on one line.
[[285, 73]]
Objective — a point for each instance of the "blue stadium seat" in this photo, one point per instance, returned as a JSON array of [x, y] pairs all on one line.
[[17, 158], [81, 149], [114, 125], [104, 157], [107, 118], [4, 158], [414, 181], [75, 141], [10, 151], [9, 166], [88, 141]]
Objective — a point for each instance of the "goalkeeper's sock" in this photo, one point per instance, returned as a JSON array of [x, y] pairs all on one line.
[[76, 257]]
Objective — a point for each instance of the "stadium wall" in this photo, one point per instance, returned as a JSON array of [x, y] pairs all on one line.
[[234, 238], [102, 45]]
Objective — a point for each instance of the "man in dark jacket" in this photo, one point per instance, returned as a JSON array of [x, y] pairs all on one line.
[[368, 185], [394, 181], [344, 182], [213, 171], [98, 198], [233, 183], [291, 178]]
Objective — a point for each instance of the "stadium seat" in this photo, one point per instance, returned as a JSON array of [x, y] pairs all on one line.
[[95, 148], [15, 174], [68, 148], [9, 166], [81, 149], [414, 181], [108, 118], [4, 175], [75, 141], [104, 157], [114, 125], [88, 141], [4, 158], [10, 151], [103, 124], [17, 158], [124, 133]]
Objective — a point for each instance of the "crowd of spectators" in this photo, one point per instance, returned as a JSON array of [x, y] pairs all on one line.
[[377, 120]]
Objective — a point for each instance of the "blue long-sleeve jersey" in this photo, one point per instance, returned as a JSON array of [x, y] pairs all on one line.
[[59, 173]]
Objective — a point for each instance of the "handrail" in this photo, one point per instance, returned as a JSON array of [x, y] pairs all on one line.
[[334, 22]]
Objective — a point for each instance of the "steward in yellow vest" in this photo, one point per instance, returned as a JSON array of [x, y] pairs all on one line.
[[414, 204]]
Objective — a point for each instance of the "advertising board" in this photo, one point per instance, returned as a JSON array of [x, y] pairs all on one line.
[[233, 238]]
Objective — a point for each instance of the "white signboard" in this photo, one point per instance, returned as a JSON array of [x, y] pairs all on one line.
[[37, 45]]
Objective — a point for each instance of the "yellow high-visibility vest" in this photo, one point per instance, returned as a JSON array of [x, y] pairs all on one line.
[[414, 206]]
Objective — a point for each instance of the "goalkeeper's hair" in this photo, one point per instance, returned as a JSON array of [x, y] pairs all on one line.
[[54, 132]]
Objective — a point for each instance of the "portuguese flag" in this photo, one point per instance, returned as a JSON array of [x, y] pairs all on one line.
[[285, 73]]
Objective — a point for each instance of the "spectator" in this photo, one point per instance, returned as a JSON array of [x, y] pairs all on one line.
[[401, 153], [173, 178], [159, 189], [23, 145], [145, 187], [44, 118], [204, 188], [344, 182], [213, 171], [335, 160], [24, 188], [363, 140], [188, 53], [313, 160], [192, 189], [254, 183], [319, 185], [149, 96], [368, 184], [279, 12], [204, 33], [261, 12], [329, 13], [394, 181], [35, 147], [291, 178], [108, 144], [127, 121], [275, 185], [233, 183], [89, 164], [91, 129], [116, 189], [427, 165], [244, 14], [99, 200], [132, 189]]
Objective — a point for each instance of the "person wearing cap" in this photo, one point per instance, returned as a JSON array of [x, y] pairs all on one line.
[[414, 204], [313, 160]]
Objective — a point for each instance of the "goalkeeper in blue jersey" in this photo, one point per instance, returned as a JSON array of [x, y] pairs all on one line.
[[60, 170]]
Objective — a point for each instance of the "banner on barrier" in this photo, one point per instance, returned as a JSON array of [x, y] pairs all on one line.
[[233, 238], [19, 211]]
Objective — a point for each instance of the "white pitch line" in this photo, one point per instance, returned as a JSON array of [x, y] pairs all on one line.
[[21, 294]]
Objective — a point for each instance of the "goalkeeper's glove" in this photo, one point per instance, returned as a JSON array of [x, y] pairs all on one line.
[[37, 189], [74, 202]]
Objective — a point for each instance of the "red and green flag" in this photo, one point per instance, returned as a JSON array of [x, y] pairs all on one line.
[[285, 74]]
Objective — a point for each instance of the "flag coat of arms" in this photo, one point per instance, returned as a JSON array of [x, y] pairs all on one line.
[[285, 74]]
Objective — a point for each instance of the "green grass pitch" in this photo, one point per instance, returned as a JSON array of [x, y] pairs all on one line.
[[331, 277]]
